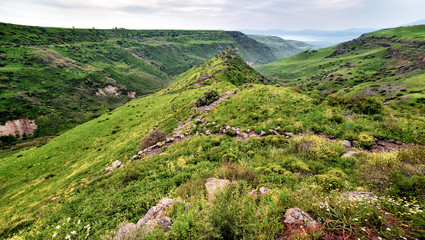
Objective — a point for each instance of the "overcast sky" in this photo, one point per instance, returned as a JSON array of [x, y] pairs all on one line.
[[213, 14]]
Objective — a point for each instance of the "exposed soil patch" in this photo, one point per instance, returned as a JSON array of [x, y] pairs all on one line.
[[56, 60]]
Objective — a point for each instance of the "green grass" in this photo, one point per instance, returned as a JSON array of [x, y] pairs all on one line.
[[304, 171]]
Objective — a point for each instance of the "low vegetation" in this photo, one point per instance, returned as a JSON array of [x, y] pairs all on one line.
[[294, 146]]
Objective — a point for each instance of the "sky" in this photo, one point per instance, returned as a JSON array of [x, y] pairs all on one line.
[[213, 14]]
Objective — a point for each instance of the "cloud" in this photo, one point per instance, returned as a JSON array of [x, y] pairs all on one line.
[[212, 14]]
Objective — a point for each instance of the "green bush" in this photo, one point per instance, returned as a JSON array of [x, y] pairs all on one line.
[[152, 138], [333, 179], [365, 140], [207, 98], [369, 105]]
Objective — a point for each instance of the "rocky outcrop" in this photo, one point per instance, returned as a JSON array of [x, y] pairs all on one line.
[[18, 127], [154, 217], [213, 185], [299, 222]]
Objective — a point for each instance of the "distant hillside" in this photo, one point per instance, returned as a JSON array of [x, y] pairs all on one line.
[[388, 64], [63, 77], [283, 48], [319, 38], [274, 153]]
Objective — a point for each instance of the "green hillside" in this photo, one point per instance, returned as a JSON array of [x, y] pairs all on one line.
[[387, 64], [68, 76], [222, 121], [283, 48]]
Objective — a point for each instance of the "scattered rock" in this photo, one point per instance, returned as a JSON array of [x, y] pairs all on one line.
[[262, 133], [262, 191], [213, 185], [208, 132], [126, 232], [54, 198], [168, 140], [289, 134], [114, 165], [346, 144], [358, 195], [297, 222], [348, 154]]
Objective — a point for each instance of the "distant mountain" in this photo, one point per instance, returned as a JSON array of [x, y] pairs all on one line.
[[320, 38], [419, 22], [283, 48]]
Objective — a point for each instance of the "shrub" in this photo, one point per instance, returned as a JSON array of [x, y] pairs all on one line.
[[152, 138], [369, 105], [207, 98], [333, 179], [365, 140]]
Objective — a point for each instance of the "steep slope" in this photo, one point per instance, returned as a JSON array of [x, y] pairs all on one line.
[[283, 48], [68, 76], [388, 64], [255, 135]]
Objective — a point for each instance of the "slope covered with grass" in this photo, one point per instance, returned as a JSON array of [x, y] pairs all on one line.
[[254, 134], [283, 48], [387, 64], [68, 76]]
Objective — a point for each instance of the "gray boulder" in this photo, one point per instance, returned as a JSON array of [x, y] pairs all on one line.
[[213, 185]]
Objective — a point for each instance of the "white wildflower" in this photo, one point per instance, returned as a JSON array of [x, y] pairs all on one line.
[[68, 237], [74, 232], [79, 221], [58, 227], [54, 235], [388, 229], [363, 229], [69, 219], [87, 226]]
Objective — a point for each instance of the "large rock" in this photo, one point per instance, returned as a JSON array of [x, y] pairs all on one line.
[[298, 222], [213, 185], [155, 216]]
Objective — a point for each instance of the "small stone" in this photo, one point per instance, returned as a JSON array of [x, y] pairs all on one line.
[[358, 195], [135, 156], [116, 164], [289, 134], [346, 144], [238, 132], [208, 132], [391, 140], [54, 198], [348, 154], [213, 123], [398, 142], [181, 136], [168, 140], [259, 192], [248, 130], [262, 133]]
